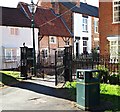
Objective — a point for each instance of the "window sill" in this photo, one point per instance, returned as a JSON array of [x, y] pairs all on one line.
[[116, 22], [10, 61], [85, 31], [96, 32], [52, 42]]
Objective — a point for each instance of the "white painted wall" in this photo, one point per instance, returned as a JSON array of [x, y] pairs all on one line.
[[79, 33], [16, 41]]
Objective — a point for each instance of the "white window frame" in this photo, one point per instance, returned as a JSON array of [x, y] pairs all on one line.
[[51, 39], [12, 54], [14, 31], [84, 24], [114, 47], [96, 22], [85, 46], [117, 16], [45, 51]]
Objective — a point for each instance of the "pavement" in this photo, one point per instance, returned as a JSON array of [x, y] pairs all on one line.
[[36, 94], [40, 94]]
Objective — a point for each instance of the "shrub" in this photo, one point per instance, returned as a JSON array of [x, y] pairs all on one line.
[[72, 89], [114, 79], [70, 84], [103, 73]]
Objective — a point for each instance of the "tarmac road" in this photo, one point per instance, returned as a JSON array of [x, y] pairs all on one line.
[[36, 94]]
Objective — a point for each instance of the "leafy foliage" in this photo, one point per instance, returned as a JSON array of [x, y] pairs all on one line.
[[110, 89], [9, 77], [108, 92], [103, 73]]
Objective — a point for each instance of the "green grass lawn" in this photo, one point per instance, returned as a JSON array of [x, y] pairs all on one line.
[[9, 77], [108, 92]]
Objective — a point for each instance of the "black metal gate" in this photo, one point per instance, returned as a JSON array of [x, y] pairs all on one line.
[[63, 65]]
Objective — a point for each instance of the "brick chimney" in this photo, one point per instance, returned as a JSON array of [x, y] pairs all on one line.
[[85, 1], [45, 4], [55, 7], [78, 3]]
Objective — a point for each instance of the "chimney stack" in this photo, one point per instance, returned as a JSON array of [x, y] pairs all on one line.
[[55, 6], [78, 3], [45, 4], [85, 1]]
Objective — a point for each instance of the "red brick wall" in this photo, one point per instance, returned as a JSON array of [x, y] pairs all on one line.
[[106, 26], [44, 43]]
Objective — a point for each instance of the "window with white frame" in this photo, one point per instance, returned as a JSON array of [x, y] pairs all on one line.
[[96, 26], [85, 24], [52, 39], [116, 11], [44, 53], [85, 45], [114, 42], [10, 54], [14, 31], [114, 49]]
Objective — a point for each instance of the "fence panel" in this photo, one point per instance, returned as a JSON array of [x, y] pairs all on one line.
[[91, 62]]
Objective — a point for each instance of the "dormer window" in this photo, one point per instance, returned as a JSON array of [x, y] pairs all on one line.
[[116, 11]]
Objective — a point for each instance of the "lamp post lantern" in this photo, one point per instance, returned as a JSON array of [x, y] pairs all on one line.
[[33, 9]]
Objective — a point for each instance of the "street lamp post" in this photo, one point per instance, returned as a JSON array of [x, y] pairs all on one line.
[[33, 9]]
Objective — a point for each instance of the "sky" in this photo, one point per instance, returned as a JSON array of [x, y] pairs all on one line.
[[13, 3]]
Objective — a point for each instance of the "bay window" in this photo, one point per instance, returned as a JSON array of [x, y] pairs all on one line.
[[114, 42]]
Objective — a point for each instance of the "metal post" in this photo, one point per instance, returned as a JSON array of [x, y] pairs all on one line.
[[34, 56], [56, 82]]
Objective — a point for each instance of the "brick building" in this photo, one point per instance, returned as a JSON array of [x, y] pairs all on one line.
[[81, 19], [109, 15], [53, 34]]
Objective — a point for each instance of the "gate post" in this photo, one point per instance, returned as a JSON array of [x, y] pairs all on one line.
[[56, 68], [24, 61], [68, 63], [70, 67]]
